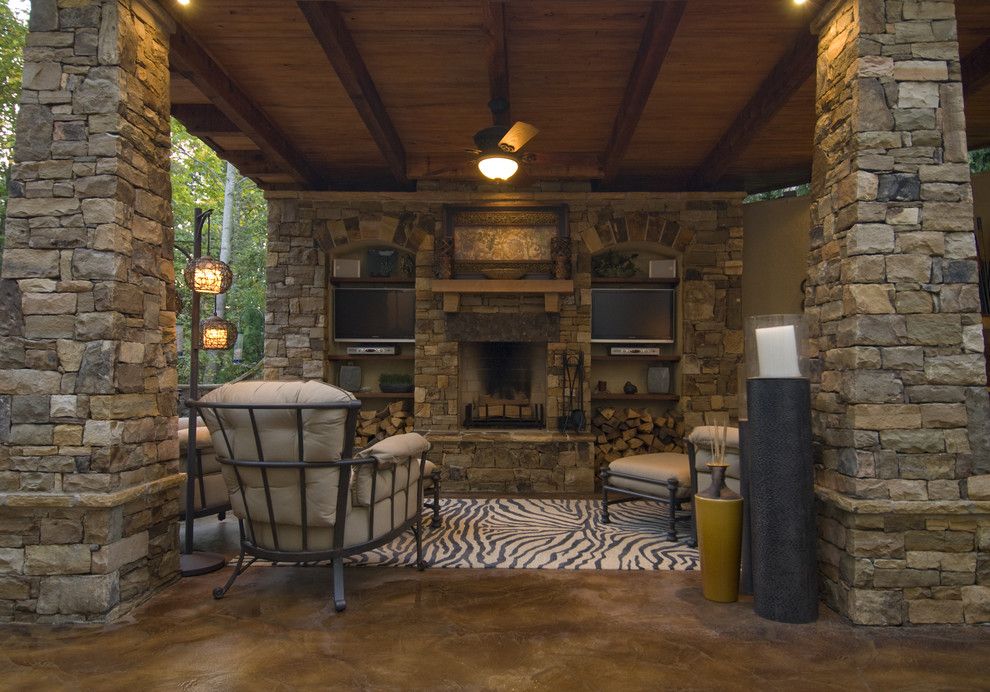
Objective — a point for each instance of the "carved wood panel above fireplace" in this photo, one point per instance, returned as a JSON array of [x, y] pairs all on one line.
[[504, 242]]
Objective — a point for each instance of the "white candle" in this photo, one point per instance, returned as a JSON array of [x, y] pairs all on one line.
[[776, 348]]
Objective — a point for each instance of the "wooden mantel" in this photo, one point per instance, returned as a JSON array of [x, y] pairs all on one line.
[[550, 288]]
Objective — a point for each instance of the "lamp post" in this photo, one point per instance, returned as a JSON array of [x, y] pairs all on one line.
[[204, 275]]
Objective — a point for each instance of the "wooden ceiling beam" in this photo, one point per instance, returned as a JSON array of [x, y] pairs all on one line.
[[250, 164], [498, 58], [787, 76], [661, 25], [204, 119], [330, 29], [190, 59], [976, 69]]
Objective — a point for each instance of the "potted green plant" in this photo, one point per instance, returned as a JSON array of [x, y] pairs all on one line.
[[395, 383]]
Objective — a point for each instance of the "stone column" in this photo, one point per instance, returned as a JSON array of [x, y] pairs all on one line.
[[89, 477], [900, 404], [296, 300]]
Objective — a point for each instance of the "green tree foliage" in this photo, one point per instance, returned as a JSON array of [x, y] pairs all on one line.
[[979, 160], [198, 181], [12, 34]]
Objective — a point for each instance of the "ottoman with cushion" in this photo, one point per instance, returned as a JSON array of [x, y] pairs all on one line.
[[431, 488], [209, 487], [664, 477]]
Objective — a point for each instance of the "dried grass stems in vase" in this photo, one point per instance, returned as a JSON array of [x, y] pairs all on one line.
[[718, 424]]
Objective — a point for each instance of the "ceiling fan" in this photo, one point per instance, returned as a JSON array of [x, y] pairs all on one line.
[[498, 146]]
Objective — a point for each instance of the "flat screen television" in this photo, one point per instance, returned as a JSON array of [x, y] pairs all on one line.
[[633, 315], [374, 315]]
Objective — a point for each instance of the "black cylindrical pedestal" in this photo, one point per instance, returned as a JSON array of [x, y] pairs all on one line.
[[782, 500], [746, 576]]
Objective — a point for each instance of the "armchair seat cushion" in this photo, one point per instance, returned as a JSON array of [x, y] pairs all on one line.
[[655, 469]]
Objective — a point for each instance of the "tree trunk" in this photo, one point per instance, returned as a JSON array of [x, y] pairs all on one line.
[[226, 233], [227, 229]]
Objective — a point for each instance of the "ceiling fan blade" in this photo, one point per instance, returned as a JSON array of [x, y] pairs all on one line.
[[517, 136]]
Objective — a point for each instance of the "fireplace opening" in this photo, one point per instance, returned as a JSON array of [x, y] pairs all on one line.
[[503, 384]]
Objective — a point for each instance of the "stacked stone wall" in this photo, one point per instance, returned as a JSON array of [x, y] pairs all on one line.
[[88, 449], [704, 230], [901, 410]]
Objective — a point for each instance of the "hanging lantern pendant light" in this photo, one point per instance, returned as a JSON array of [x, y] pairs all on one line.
[[217, 334], [206, 274]]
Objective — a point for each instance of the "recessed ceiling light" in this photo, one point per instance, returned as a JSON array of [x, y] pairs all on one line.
[[186, 2], [796, 2]]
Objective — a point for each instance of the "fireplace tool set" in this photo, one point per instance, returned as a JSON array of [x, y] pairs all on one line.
[[572, 416]]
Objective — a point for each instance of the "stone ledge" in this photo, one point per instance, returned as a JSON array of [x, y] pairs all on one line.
[[923, 507], [535, 436], [95, 500]]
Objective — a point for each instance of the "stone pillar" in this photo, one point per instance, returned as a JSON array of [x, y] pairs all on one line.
[[89, 476], [900, 404], [296, 299]]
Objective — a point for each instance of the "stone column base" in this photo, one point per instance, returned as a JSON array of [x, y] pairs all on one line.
[[89, 557], [889, 562]]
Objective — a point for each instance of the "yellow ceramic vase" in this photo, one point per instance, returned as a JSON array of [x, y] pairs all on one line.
[[719, 543]]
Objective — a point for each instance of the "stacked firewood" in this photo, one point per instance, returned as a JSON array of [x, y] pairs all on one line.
[[372, 426], [623, 432]]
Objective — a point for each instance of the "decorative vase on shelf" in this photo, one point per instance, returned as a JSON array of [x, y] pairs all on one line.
[[719, 514], [630, 388]]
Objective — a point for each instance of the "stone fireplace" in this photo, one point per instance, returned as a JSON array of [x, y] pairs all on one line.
[[503, 384], [499, 346]]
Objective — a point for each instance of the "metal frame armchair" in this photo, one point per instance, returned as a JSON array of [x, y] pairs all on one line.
[[299, 491]]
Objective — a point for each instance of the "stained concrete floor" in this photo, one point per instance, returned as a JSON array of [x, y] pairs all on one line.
[[476, 629]]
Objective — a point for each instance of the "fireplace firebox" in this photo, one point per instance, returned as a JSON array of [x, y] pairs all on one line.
[[503, 384]]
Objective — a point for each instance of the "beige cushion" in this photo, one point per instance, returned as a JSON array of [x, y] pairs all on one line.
[[655, 467], [323, 431], [701, 438], [323, 435], [216, 493], [388, 513], [184, 423], [398, 455], [203, 438]]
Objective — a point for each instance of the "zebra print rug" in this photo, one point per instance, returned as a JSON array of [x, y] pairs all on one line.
[[518, 533]]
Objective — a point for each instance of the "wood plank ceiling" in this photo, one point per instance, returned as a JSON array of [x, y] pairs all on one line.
[[634, 94]]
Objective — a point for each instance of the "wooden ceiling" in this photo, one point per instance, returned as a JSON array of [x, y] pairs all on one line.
[[380, 94]]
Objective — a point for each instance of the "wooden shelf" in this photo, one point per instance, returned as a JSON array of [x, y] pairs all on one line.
[[609, 396], [383, 395], [550, 288], [344, 281], [635, 281], [369, 356], [641, 359]]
